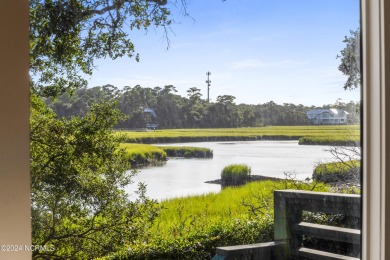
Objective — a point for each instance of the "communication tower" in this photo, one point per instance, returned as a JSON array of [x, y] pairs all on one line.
[[208, 81]]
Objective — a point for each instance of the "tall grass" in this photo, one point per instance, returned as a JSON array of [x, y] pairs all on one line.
[[187, 152], [337, 140], [192, 227], [146, 154], [143, 154], [235, 174], [337, 172], [228, 203]]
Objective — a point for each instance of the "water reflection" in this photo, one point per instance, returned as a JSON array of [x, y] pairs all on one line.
[[183, 177]]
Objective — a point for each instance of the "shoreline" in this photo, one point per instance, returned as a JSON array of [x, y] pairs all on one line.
[[302, 140], [252, 178]]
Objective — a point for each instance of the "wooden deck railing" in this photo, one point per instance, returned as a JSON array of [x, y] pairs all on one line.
[[290, 229]]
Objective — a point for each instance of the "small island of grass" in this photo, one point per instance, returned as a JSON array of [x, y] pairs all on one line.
[[140, 155]]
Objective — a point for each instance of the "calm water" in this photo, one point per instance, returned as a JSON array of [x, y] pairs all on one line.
[[182, 177]]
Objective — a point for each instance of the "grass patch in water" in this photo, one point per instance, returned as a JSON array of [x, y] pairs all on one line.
[[143, 154], [336, 140], [187, 152], [235, 174], [146, 154], [337, 172]]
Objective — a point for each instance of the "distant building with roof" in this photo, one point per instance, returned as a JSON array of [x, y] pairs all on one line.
[[330, 116], [153, 125]]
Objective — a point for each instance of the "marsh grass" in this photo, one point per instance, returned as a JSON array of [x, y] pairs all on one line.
[[228, 204], [143, 154], [334, 140], [320, 134], [192, 227], [187, 152], [235, 174], [146, 154], [337, 172]]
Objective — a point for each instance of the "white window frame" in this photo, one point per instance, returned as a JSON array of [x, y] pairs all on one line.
[[14, 130]]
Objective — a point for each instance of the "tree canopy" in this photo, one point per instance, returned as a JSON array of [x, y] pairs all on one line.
[[350, 60], [190, 111], [67, 36], [79, 207]]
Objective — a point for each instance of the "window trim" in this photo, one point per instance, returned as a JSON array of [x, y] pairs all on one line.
[[376, 118], [14, 155]]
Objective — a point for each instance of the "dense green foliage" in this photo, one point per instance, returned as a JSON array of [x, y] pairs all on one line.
[[235, 174], [67, 36], [201, 243], [336, 133], [175, 111], [187, 151], [337, 172], [192, 227], [77, 178], [78, 175], [350, 60]]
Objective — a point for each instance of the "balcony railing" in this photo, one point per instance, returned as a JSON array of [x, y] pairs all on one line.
[[290, 229]]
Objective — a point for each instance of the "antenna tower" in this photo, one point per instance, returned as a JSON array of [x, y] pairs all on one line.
[[208, 81]]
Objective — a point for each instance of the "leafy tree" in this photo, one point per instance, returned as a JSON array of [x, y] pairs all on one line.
[[226, 109], [67, 36], [169, 107], [79, 207], [350, 60], [79, 103], [270, 113], [77, 171], [132, 102], [195, 108]]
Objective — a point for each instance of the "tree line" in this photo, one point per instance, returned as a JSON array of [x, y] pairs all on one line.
[[192, 111]]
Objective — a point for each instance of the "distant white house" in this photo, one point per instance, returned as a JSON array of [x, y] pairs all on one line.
[[331, 116]]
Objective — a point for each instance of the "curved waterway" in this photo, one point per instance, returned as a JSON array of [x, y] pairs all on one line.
[[183, 177]]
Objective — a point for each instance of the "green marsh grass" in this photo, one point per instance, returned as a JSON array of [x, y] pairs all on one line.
[[235, 174], [146, 154], [187, 152], [143, 154], [192, 227], [337, 140], [337, 171], [223, 206], [333, 133]]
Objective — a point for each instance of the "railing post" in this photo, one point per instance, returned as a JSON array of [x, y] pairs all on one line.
[[284, 218], [288, 209]]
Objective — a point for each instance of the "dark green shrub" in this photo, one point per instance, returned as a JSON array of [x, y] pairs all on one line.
[[201, 244]]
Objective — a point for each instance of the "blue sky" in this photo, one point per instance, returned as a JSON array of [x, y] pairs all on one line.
[[256, 50]]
